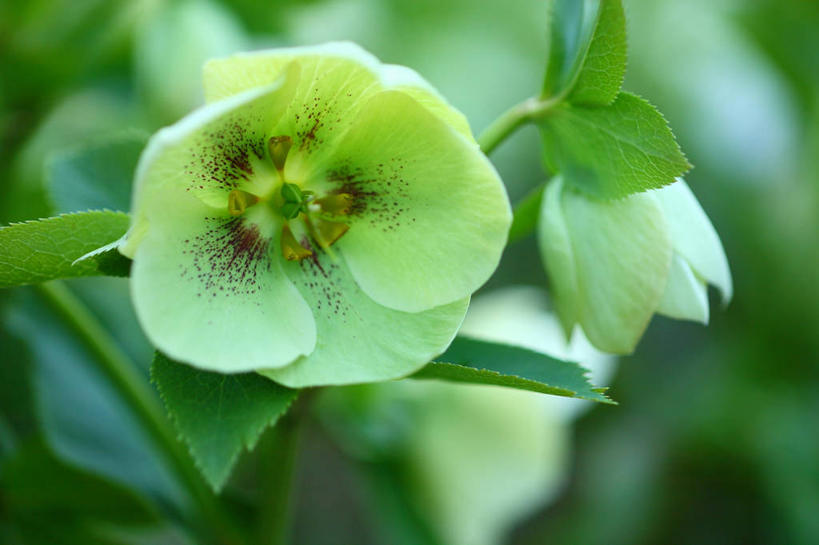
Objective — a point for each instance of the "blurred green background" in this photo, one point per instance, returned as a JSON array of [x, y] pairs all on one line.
[[716, 439]]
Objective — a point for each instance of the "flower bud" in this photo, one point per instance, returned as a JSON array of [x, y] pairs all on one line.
[[612, 264]]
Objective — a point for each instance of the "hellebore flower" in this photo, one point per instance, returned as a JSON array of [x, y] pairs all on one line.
[[613, 264], [323, 220]]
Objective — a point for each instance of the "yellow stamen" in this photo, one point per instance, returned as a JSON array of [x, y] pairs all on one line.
[[327, 233], [279, 147], [291, 249], [239, 201], [338, 205]]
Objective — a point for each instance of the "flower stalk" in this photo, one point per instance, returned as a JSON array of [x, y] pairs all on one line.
[[136, 392]]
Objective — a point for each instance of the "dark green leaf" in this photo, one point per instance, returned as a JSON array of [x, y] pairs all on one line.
[[526, 215], [567, 36], [36, 481], [95, 177], [601, 74], [42, 250], [82, 416], [218, 415], [612, 151], [587, 51], [481, 362]]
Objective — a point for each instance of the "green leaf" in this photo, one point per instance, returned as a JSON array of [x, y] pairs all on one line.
[[42, 250], [526, 213], [587, 51], [612, 151], [482, 362], [567, 35], [37, 481], [218, 415], [601, 75], [96, 176], [83, 418]]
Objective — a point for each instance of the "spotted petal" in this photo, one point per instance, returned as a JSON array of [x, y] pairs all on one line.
[[430, 214], [358, 339], [207, 292], [205, 287], [218, 148], [227, 76]]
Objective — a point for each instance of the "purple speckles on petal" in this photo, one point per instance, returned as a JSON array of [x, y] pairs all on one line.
[[228, 258], [318, 274], [378, 192], [222, 156]]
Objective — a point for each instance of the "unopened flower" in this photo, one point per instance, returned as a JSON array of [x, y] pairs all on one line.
[[613, 264], [324, 219]]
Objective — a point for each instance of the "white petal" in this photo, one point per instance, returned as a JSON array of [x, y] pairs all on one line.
[[686, 296], [694, 237]]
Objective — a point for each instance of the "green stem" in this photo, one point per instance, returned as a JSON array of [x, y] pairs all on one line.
[[136, 392], [511, 120], [278, 459]]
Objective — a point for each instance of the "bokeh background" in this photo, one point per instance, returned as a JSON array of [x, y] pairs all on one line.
[[716, 438]]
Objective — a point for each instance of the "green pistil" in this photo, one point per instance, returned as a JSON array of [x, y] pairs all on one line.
[[320, 215], [295, 200]]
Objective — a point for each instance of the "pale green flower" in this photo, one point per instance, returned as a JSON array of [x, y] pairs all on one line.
[[324, 219], [613, 264]]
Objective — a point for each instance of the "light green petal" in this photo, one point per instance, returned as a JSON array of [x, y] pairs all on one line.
[[686, 296], [622, 253], [358, 339], [406, 80], [218, 148], [431, 215], [694, 237], [207, 292], [558, 257], [335, 83], [227, 76]]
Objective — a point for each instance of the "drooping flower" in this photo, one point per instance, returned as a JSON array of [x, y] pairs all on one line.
[[613, 264], [324, 219]]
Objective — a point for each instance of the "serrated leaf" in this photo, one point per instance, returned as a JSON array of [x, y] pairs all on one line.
[[601, 74], [526, 213], [96, 176], [587, 50], [612, 151], [42, 250], [217, 415], [482, 362]]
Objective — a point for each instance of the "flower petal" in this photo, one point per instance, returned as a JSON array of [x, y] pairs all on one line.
[[430, 214], [685, 296], [227, 76], [622, 254], [407, 80], [694, 237], [208, 293], [558, 256], [358, 339], [208, 153]]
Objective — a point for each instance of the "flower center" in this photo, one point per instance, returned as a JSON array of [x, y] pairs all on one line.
[[305, 216]]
